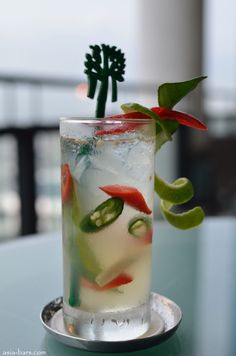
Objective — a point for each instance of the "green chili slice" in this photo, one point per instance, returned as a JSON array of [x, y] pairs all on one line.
[[139, 226], [103, 215]]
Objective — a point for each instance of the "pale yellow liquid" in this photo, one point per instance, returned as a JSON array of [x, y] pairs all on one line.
[[115, 249]]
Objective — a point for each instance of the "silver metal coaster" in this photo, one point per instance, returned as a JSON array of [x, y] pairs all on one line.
[[165, 319]]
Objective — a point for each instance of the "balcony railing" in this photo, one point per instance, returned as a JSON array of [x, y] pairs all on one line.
[[27, 125]]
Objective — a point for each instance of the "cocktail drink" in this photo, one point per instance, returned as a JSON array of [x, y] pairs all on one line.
[[107, 203], [107, 208]]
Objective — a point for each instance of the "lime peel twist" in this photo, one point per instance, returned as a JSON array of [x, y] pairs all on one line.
[[177, 193], [187, 220]]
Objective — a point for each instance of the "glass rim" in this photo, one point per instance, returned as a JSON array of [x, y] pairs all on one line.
[[105, 120]]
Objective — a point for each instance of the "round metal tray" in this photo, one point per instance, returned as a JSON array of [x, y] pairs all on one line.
[[165, 319]]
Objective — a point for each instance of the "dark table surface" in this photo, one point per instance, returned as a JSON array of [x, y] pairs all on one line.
[[194, 268]]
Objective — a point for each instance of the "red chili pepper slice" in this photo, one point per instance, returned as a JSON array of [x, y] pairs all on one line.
[[123, 127], [66, 182], [181, 117], [120, 280], [164, 114], [117, 130], [130, 195]]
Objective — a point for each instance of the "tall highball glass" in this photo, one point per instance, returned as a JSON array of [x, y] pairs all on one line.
[[107, 191]]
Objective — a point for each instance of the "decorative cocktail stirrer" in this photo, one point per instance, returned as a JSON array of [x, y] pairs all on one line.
[[104, 62]]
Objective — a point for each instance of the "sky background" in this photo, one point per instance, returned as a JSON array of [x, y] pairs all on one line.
[[51, 37], [220, 42]]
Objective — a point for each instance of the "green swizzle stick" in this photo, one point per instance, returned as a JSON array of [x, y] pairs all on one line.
[[104, 62]]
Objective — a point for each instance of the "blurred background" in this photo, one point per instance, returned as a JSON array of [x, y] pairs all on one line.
[[42, 50]]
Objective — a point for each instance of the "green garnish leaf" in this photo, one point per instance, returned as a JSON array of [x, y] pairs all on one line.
[[181, 191], [169, 94]]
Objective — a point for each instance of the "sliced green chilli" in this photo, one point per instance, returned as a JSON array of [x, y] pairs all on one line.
[[103, 215], [139, 226]]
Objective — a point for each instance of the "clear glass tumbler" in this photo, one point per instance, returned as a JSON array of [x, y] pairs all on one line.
[[107, 189]]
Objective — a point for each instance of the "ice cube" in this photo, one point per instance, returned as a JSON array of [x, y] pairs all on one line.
[[139, 161], [80, 167]]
